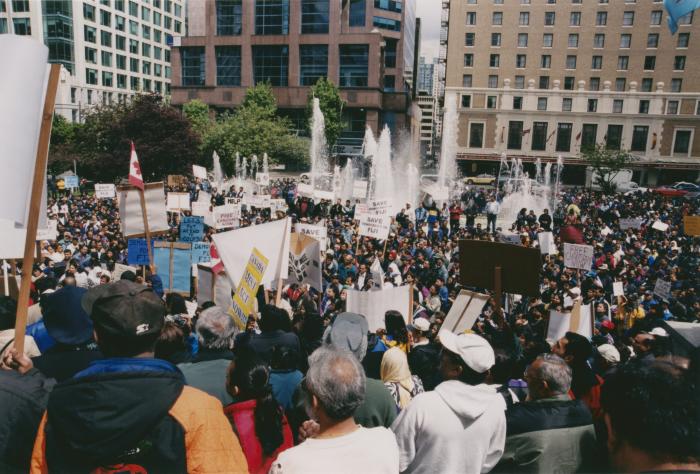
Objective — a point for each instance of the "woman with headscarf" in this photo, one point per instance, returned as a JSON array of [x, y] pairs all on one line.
[[397, 378]]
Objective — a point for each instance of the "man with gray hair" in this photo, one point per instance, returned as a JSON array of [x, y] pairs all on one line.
[[334, 388], [207, 371], [549, 432]]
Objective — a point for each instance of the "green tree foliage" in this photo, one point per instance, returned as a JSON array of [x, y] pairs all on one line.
[[331, 105], [197, 112], [606, 164], [61, 154], [261, 97]]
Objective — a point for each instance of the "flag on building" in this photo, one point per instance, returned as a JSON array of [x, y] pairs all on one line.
[[135, 176], [677, 9], [578, 137]]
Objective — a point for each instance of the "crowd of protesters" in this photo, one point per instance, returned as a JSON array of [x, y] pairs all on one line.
[[118, 377]]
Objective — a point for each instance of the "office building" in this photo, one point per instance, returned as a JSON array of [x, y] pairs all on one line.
[[364, 46], [110, 49], [426, 72], [542, 78]]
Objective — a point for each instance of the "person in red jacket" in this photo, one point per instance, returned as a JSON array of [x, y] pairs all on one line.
[[455, 214], [257, 418]]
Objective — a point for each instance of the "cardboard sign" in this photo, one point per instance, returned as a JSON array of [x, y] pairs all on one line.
[[327, 195], [173, 261], [662, 289], [48, 233], [226, 217], [691, 225], [201, 209], [635, 223], [178, 202], [658, 225], [464, 311], [618, 288], [262, 179], [138, 252], [105, 191], [278, 205], [258, 201], [318, 232], [201, 252], [176, 180], [130, 210], [247, 288], [72, 182], [359, 189], [520, 266], [578, 256], [304, 261], [547, 246], [373, 305], [199, 172], [235, 201], [579, 320], [377, 221], [119, 269], [305, 190], [192, 229]]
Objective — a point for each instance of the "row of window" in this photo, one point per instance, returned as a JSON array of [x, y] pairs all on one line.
[[601, 18], [168, 6], [523, 40], [120, 62], [109, 79], [90, 35], [570, 81], [120, 43], [271, 63], [105, 19]]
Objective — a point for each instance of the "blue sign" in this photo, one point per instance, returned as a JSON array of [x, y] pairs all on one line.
[[72, 182], [138, 252], [200, 253], [192, 229], [180, 264]]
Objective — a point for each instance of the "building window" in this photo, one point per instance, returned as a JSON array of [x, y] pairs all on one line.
[[469, 39], [544, 82], [625, 40], [91, 76], [649, 63], [647, 83], [493, 81], [681, 142], [90, 55], [494, 60], [524, 18], [566, 104], [564, 137], [354, 65], [679, 63], [386, 23], [575, 19], [571, 62], [313, 63], [628, 19], [520, 82], [539, 136], [541, 103], [193, 66], [643, 106], [547, 40], [573, 40], [569, 83], [106, 38], [390, 51], [271, 64], [491, 101], [639, 138], [520, 61], [599, 40], [271, 17], [518, 103], [592, 105], [515, 135], [546, 61], [106, 79], [468, 60], [683, 40], [495, 39], [389, 83], [623, 63], [357, 12], [549, 18], [134, 64], [314, 16], [686, 19], [467, 80], [620, 84], [106, 58], [588, 136], [676, 85], [614, 137], [656, 17], [228, 66], [672, 107], [88, 12], [89, 32], [497, 18], [471, 18], [597, 62], [20, 6], [3, 25], [594, 84], [476, 135], [617, 106], [133, 46], [229, 17], [653, 40], [601, 18], [466, 101], [522, 40]]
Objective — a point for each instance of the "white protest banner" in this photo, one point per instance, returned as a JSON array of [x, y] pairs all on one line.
[[247, 288], [226, 217], [377, 221], [464, 311], [48, 233], [278, 205], [359, 189], [578, 256], [318, 232], [119, 269], [178, 202], [234, 200], [361, 211], [105, 191], [635, 223], [200, 209], [199, 172], [618, 288], [579, 320], [262, 179], [327, 195], [658, 225], [305, 190], [130, 210], [271, 239], [662, 289], [304, 261], [373, 305], [547, 246], [259, 201]]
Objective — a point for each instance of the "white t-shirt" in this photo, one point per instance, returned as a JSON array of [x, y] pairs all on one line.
[[365, 450]]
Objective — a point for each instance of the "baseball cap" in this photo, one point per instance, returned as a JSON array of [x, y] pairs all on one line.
[[474, 350], [609, 353], [607, 324], [125, 308], [420, 324], [661, 332]]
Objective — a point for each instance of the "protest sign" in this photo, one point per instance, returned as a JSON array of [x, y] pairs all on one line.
[[374, 304], [200, 252], [262, 179], [658, 225], [271, 239], [377, 273], [173, 261], [226, 217], [635, 223], [119, 269], [234, 201], [327, 195], [578, 256], [50, 232], [259, 201], [203, 196], [662, 289], [192, 229], [304, 261], [72, 182], [464, 311], [130, 210], [377, 222], [199, 172], [318, 232], [691, 225], [305, 190], [178, 202], [137, 252], [278, 205], [359, 189], [247, 288], [547, 246], [361, 211], [211, 287], [201, 209], [175, 180], [105, 191], [618, 288], [579, 320], [512, 238]]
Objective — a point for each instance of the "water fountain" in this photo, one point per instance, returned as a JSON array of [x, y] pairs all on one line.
[[218, 172], [238, 165], [382, 185], [347, 181], [244, 169], [447, 170], [253, 166], [319, 150], [266, 164]]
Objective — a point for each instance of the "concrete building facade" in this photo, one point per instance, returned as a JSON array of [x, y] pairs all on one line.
[[364, 46], [542, 78]]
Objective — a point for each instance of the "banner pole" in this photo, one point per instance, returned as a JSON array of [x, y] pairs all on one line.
[[146, 230], [42, 155], [5, 277]]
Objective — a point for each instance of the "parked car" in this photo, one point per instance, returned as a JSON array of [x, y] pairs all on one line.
[[632, 188], [681, 188], [483, 178]]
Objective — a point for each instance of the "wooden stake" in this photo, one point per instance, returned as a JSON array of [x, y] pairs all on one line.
[[5, 277], [410, 304], [146, 230], [42, 154], [497, 287], [278, 296]]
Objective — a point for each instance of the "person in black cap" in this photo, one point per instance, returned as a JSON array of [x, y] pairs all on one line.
[[130, 412]]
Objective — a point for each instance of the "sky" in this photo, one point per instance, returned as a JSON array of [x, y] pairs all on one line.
[[429, 11]]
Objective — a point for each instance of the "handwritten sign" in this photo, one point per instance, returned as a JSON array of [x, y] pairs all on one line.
[[377, 222], [72, 182], [138, 252], [318, 232], [234, 201], [691, 225], [199, 172], [192, 229], [247, 288], [660, 226], [178, 202], [226, 216], [262, 179], [359, 189], [200, 252], [635, 223], [578, 256], [662, 289], [105, 191], [618, 288]]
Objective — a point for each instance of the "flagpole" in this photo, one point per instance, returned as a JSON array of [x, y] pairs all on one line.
[[146, 230]]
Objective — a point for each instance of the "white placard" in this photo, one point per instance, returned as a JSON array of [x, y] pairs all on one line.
[[277, 205], [178, 202], [361, 211], [618, 288], [464, 311], [305, 190], [203, 196], [359, 189], [327, 195], [377, 221], [259, 201], [318, 232], [262, 179], [48, 233], [200, 209], [199, 172], [547, 246], [635, 223], [662, 289], [226, 217], [373, 305], [561, 323], [130, 210], [105, 191], [658, 225], [578, 256]]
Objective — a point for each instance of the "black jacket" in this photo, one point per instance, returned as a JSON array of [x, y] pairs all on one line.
[[423, 361], [23, 399], [63, 362]]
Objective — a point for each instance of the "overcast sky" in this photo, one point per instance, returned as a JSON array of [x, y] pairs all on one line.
[[429, 11]]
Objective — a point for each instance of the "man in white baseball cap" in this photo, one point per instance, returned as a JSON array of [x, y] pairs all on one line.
[[461, 425]]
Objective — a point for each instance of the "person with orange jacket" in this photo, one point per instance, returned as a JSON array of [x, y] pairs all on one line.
[[130, 412]]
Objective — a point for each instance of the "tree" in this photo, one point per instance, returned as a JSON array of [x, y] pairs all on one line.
[[606, 165], [331, 105], [197, 112], [61, 153], [260, 96]]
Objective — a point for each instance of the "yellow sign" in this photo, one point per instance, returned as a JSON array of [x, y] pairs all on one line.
[[248, 288], [691, 225]]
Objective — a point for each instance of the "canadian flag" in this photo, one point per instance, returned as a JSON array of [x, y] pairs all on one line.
[[218, 265], [135, 176]]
